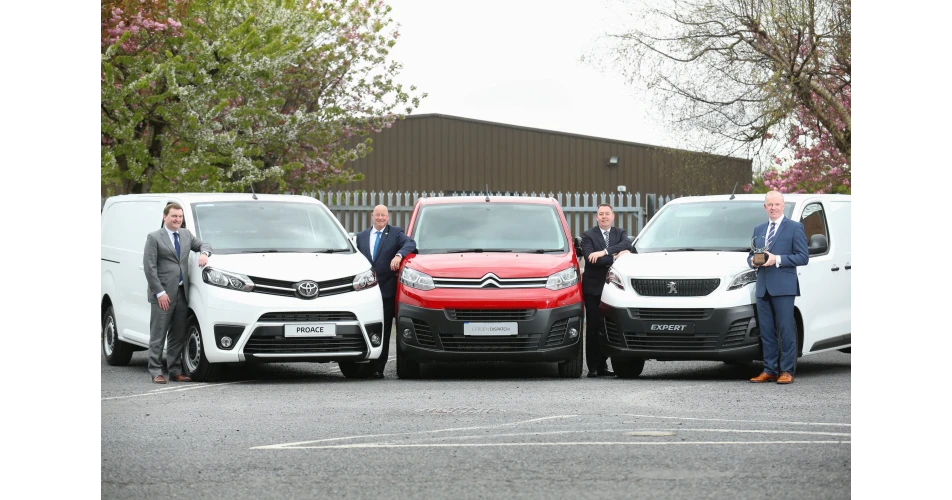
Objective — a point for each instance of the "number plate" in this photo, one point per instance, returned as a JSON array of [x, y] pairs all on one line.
[[671, 327], [509, 328], [310, 330]]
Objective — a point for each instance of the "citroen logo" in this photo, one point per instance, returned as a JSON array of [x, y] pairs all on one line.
[[307, 289], [672, 287]]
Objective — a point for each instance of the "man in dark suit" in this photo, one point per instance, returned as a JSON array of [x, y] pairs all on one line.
[[165, 261], [777, 288], [385, 246], [601, 245]]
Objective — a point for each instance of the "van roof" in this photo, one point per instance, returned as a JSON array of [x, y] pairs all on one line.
[[531, 200], [208, 197], [794, 197]]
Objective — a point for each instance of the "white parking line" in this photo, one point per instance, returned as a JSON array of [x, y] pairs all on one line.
[[159, 392], [299, 444], [575, 443], [729, 420]]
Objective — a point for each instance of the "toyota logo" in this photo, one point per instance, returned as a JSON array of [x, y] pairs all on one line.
[[307, 289], [672, 287]]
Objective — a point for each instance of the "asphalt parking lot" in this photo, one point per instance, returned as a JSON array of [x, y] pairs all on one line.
[[479, 430]]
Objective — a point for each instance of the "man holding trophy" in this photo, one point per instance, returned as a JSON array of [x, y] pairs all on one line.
[[778, 246]]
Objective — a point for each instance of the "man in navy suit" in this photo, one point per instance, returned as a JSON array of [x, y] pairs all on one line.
[[777, 288], [385, 246], [600, 246]]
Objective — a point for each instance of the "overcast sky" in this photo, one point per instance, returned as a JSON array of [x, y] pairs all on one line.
[[518, 62]]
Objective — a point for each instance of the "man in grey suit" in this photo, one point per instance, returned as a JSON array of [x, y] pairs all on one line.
[[165, 260]]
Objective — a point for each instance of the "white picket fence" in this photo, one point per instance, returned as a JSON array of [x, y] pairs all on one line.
[[353, 209]]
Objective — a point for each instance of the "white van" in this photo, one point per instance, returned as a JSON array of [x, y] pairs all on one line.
[[255, 300], [686, 292]]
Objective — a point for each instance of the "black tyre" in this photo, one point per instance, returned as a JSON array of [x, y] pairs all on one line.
[[406, 367], [572, 368], [194, 362], [352, 369], [116, 352], [628, 368]]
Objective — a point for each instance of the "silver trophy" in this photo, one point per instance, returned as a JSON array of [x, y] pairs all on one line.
[[758, 245]]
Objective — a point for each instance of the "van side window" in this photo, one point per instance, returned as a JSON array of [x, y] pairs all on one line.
[[814, 222]]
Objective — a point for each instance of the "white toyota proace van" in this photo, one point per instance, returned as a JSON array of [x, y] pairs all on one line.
[[686, 292], [284, 283]]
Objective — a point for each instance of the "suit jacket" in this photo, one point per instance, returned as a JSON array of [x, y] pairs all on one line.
[[593, 279], [790, 243], [162, 265], [393, 241]]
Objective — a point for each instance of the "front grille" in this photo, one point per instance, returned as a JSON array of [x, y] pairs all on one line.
[[503, 343], [614, 336], [346, 342], [299, 317], [669, 314], [736, 332], [675, 287], [286, 288], [423, 334], [671, 341], [490, 280], [490, 314], [557, 333]]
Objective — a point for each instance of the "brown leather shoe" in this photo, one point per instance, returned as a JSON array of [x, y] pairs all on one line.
[[159, 379], [785, 378], [180, 378], [763, 377]]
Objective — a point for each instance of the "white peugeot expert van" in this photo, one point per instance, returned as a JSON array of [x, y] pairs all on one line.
[[686, 292], [284, 283]]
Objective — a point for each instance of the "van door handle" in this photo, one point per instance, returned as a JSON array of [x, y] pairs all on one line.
[[835, 268], [848, 267]]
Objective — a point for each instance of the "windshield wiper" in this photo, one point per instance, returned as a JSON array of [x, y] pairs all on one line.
[[331, 250], [682, 250], [474, 250], [542, 250], [262, 250]]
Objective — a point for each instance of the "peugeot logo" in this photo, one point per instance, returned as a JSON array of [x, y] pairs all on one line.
[[672, 287], [307, 289]]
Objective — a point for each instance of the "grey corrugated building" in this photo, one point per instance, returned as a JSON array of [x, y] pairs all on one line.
[[433, 152]]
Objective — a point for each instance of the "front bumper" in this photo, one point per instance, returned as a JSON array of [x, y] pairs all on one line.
[[425, 334], [727, 334], [255, 324]]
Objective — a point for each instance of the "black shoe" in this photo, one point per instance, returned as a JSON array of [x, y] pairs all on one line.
[[592, 374], [606, 373], [378, 374]]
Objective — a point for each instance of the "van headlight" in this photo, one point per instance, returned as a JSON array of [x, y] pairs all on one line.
[[415, 279], [365, 279], [225, 279], [562, 279], [743, 279], [612, 278]]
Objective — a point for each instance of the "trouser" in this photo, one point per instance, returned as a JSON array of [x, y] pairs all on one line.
[[171, 324], [594, 359], [388, 303], [775, 316]]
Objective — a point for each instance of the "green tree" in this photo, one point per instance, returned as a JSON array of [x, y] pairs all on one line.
[[211, 95]]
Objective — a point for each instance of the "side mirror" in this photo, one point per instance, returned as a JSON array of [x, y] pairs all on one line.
[[631, 243], [578, 246], [818, 244]]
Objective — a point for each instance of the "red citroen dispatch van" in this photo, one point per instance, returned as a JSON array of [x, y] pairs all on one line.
[[493, 279]]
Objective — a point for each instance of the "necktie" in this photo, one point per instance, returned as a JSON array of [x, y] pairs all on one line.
[[178, 253], [770, 234], [606, 238], [373, 256]]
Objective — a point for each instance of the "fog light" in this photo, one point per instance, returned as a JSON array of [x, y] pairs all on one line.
[[573, 333], [226, 342], [407, 334], [375, 339]]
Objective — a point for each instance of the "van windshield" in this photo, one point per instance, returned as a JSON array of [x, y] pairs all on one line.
[[706, 226], [268, 226], [489, 227]]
